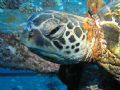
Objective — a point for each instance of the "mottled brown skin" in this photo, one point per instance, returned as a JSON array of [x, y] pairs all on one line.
[[107, 54]]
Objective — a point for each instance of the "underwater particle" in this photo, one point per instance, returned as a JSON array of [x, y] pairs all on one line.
[[80, 3], [61, 8]]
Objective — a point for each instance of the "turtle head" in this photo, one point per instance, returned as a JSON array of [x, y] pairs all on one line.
[[56, 37]]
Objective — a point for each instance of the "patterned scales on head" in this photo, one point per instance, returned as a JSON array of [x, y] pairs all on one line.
[[59, 34]]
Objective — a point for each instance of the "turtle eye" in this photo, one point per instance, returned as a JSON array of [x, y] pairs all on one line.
[[55, 30]]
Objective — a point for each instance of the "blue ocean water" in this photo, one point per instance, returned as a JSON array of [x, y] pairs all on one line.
[[14, 80], [28, 80]]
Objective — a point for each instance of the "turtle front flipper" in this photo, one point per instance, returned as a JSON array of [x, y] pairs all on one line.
[[110, 58], [111, 63], [112, 36], [109, 21]]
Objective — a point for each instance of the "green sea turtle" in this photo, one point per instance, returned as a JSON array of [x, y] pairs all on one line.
[[66, 39]]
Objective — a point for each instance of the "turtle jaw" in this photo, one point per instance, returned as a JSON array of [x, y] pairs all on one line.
[[55, 57], [50, 56]]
